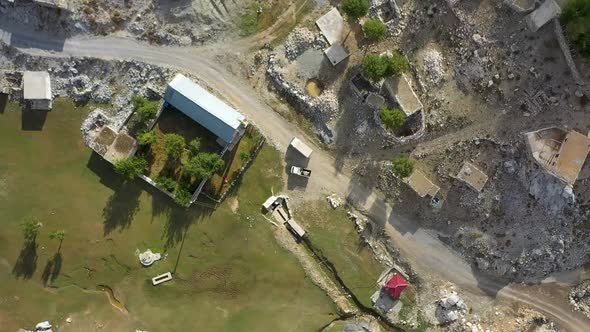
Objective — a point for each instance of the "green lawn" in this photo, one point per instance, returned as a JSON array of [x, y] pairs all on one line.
[[230, 273], [335, 235]]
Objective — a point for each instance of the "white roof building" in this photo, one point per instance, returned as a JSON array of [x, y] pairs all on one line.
[[37, 89]]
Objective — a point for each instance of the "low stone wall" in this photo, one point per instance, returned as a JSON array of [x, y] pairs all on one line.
[[565, 49]]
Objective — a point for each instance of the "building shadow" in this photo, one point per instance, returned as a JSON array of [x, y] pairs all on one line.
[[33, 120], [3, 102], [294, 158], [29, 39], [26, 263]]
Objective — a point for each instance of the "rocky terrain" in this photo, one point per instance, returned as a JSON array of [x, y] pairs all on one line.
[[156, 21]]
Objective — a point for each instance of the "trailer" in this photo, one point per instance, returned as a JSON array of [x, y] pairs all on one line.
[[304, 172], [301, 147]]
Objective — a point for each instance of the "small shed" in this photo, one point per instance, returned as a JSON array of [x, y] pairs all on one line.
[[204, 108], [396, 285], [421, 184], [37, 90], [301, 147], [401, 91], [336, 54], [332, 26], [472, 176]]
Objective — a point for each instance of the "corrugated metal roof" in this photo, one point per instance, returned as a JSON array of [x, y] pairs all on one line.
[[206, 102]]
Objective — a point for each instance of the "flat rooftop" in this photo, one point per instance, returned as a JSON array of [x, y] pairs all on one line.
[[400, 89], [472, 176], [545, 13], [332, 26], [336, 54], [421, 184], [36, 85]]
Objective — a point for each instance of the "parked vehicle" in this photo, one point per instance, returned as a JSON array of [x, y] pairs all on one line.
[[300, 171]]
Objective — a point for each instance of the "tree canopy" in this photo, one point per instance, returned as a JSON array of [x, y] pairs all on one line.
[[204, 165], [355, 8], [58, 235], [392, 118], [31, 228], [397, 64], [182, 196], [174, 145], [374, 29], [130, 167], [146, 138], [144, 108], [403, 166], [377, 67], [575, 16]]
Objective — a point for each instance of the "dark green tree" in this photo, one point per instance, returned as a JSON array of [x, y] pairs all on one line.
[[146, 138], [182, 196], [575, 17], [374, 29], [194, 146], [392, 118], [374, 67], [403, 166], [397, 64], [203, 165], [130, 167], [144, 108], [355, 9], [174, 145], [166, 182]]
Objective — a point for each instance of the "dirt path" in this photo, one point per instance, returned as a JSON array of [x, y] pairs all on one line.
[[429, 256]]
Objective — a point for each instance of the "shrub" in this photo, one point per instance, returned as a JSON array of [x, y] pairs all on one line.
[[575, 16], [174, 145], [355, 8], [203, 165], [396, 64], [403, 166], [374, 29], [244, 156], [249, 21], [194, 146], [166, 183], [392, 118], [182, 196], [130, 167], [146, 138], [374, 67], [144, 108]]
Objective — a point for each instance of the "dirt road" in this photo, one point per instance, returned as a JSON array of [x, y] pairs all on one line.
[[426, 252]]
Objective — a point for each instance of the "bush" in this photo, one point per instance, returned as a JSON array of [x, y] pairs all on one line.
[[182, 196], [575, 16], [31, 228], [392, 118], [374, 67], [174, 145], [146, 138], [244, 156], [397, 64], [194, 146], [355, 8], [130, 167], [144, 108], [203, 165], [374, 29], [166, 183], [403, 166], [249, 21]]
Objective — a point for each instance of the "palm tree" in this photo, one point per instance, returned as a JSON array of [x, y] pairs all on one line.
[[58, 235]]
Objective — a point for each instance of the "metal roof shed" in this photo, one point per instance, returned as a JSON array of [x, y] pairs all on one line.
[[37, 89], [301, 147], [204, 108]]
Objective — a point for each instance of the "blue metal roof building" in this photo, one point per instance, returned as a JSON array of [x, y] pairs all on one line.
[[204, 108]]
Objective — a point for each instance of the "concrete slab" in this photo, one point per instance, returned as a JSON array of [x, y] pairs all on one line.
[[332, 26], [545, 13], [400, 89], [336, 54]]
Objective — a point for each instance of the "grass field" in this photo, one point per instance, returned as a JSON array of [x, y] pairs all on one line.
[[230, 275], [335, 235]]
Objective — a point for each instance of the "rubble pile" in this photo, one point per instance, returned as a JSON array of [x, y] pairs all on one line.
[[434, 67], [450, 308], [319, 109], [300, 40], [579, 297]]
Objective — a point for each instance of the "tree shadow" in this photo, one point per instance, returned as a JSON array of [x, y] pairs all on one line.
[[121, 207], [179, 221], [52, 269], [3, 102], [26, 263]]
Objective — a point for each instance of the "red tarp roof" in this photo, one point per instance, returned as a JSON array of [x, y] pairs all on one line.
[[396, 285]]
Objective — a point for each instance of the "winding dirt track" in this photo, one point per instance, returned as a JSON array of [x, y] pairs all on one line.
[[427, 254]]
